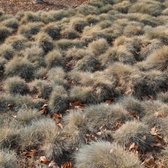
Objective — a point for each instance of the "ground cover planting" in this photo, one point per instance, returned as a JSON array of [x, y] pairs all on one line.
[[85, 87]]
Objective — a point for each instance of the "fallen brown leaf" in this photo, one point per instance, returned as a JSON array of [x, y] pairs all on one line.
[[67, 165], [31, 153], [77, 104], [159, 114], [60, 125], [52, 164], [10, 106], [57, 116], [44, 109], [44, 160], [134, 148], [149, 162]]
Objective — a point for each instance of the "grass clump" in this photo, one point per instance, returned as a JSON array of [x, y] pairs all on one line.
[[30, 17], [83, 94], [21, 67], [45, 41], [30, 29], [75, 54], [134, 29], [105, 116], [65, 44], [54, 147], [75, 119], [159, 32], [35, 55], [9, 137], [41, 73], [134, 132], [16, 85], [8, 159], [78, 24], [36, 133], [88, 63], [163, 96], [105, 154], [57, 76], [99, 46], [92, 19], [53, 31], [87, 10], [133, 106], [6, 99], [54, 58], [18, 101], [149, 84], [42, 88], [118, 54], [122, 6], [7, 52], [4, 33], [17, 42], [158, 59], [11, 23], [151, 7], [2, 66], [69, 33], [59, 100], [151, 47], [25, 115], [55, 15]]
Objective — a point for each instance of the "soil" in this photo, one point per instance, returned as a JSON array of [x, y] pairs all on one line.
[[14, 6]]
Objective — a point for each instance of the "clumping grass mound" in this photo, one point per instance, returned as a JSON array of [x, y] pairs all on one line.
[[149, 84], [116, 54], [36, 132], [4, 33], [26, 115], [35, 55], [133, 106], [83, 94], [105, 154], [12, 23], [42, 88], [21, 67], [8, 159], [151, 7], [54, 58], [86, 86], [158, 59], [163, 97], [9, 137], [98, 47], [88, 63], [2, 66], [134, 132], [17, 42], [104, 115], [78, 24], [70, 33], [45, 41], [7, 52], [30, 29], [53, 31], [16, 85], [59, 100]]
